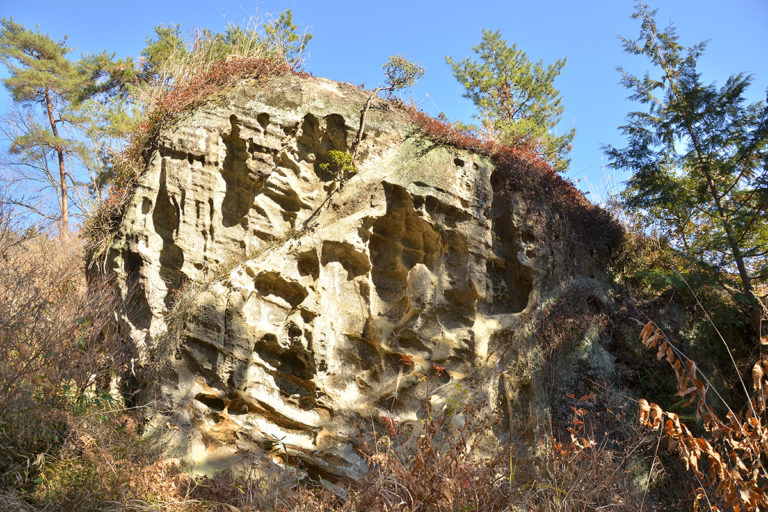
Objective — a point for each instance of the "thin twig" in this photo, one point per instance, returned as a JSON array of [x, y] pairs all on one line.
[[650, 471]]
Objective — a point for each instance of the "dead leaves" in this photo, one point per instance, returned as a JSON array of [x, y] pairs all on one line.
[[734, 470], [650, 415], [759, 375], [687, 381]]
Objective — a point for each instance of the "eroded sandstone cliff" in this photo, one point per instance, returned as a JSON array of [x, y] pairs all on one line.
[[317, 309]]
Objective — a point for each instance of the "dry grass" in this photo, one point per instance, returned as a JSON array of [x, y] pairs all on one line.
[[50, 326], [205, 50], [65, 442], [433, 465]]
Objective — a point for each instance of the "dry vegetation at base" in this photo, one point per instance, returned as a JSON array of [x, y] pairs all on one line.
[[728, 460], [49, 350], [68, 444]]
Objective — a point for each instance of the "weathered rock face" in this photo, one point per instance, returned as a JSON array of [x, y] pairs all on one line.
[[316, 295]]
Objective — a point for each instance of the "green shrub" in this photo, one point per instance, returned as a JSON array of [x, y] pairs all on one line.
[[340, 164]]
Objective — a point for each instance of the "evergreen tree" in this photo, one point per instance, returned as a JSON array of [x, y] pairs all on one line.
[[167, 52], [516, 100], [283, 40], [699, 161], [42, 77], [109, 112], [401, 73]]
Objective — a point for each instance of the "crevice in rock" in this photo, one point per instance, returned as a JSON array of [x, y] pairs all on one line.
[[308, 264], [316, 138], [175, 154], [288, 199], [308, 137], [410, 342], [211, 401], [399, 240], [263, 120], [292, 368], [146, 205], [241, 182], [136, 306], [165, 219], [354, 262], [294, 361], [509, 282], [202, 358], [335, 134]]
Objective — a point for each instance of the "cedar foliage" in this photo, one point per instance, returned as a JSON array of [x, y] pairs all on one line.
[[698, 160]]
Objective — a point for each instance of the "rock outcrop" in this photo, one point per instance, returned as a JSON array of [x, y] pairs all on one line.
[[306, 310]]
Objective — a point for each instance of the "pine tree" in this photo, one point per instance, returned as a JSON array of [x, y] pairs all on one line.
[[516, 100], [699, 161], [401, 73], [41, 76]]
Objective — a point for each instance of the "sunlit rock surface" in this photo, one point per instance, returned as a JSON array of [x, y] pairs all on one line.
[[313, 297]]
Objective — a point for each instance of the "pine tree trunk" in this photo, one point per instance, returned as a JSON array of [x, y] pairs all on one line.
[[63, 201]]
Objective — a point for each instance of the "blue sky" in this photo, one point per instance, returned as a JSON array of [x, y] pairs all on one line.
[[352, 39]]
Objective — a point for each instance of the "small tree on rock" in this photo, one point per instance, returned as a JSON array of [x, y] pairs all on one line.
[[401, 73]]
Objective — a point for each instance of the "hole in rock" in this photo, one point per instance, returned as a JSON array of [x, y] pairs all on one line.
[[211, 401], [263, 120], [294, 332], [354, 262], [308, 264], [307, 316], [317, 138], [137, 308], [400, 240], [291, 387], [294, 361], [240, 188], [238, 406], [271, 283], [509, 283], [335, 133]]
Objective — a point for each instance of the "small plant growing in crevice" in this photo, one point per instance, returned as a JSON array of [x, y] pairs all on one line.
[[401, 73], [340, 164]]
